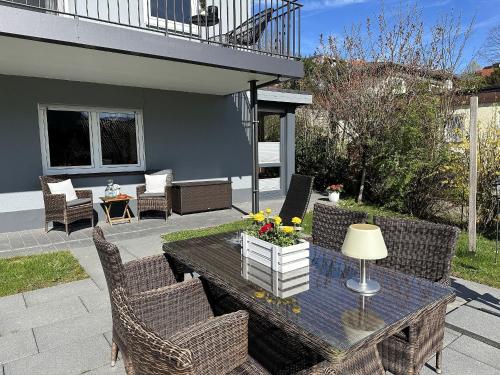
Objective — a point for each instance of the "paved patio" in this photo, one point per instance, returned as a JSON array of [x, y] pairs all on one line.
[[66, 329]]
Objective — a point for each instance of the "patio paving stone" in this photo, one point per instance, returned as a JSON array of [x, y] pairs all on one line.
[[44, 295], [16, 346], [475, 321], [64, 332], [76, 358], [455, 363], [40, 315], [14, 302], [28, 240], [96, 301], [107, 369], [477, 350]]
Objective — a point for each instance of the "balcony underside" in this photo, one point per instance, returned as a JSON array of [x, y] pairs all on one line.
[[48, 46]]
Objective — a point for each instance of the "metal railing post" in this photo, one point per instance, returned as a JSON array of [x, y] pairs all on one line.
[[255, 145]]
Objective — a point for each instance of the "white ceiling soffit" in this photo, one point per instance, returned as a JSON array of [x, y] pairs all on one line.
[[30, 58]]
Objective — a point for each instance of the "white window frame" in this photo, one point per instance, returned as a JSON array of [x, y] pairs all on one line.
[[95, 141], [176, 26]]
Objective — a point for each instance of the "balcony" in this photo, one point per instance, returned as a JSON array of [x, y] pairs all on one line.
[[203, 46]]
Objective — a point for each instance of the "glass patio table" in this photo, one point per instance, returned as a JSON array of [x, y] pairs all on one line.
[[313, 303]]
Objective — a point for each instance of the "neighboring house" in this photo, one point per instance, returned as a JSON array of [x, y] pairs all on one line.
[[488, 114], [111, 89]]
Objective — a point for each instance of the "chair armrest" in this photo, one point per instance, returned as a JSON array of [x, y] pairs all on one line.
[[168, 191], [174, 307], [55, 202], [218, 345], [140, 189], [148, 273], [84, 193]]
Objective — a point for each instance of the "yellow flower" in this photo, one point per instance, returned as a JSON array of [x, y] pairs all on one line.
[[259, 294], [297, 220], [277, 220], [268, 211], [259, 217], [296, 309], [250, 215], [261, 212], [287, 229]]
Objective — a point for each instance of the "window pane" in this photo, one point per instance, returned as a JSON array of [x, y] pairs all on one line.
[[118, 138], [177, 10], [69, 139]]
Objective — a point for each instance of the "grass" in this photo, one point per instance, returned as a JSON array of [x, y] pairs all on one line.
[[477, 267], [24, 273]]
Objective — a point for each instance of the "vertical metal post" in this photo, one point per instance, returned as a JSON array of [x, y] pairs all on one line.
[[473, 173], [255, 145]]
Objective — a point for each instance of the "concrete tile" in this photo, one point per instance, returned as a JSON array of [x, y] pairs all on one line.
[[65, 332], [15, 240], [119, 369], [475, 321], [455, 363], [42, 238], [75, 288], [96, 301], [450, 336], [19, 345], [471, 290], [76, 358], [14, 302], [486, 305], [29, 240], [40, 315], [477, 350], [109, 337]]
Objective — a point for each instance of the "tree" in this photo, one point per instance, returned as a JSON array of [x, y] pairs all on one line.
[[490, 50], [494, 78], [472, 68], [365, 78]]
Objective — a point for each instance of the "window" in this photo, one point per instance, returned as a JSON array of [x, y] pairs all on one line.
[[177, 12], [454, 130], [89, 140]]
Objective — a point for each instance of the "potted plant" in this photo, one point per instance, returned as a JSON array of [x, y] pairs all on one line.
[[274, 245], [334, 192]]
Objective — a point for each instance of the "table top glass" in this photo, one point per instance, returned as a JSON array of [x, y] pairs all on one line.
[[314, 298]]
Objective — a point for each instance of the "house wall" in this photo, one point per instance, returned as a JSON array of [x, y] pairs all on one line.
[[198, 136], [487, 114]]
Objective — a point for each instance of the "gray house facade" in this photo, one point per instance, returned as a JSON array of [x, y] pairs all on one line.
[[93, 99]]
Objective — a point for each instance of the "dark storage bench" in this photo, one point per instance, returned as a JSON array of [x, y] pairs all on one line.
[[189, 197]]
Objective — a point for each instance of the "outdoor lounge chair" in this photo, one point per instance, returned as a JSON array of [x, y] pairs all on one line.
[[135, 277], [155, 202], [66, 212], [297, 198], [424, 250], [330, 225], [173, 331], [249, 32]]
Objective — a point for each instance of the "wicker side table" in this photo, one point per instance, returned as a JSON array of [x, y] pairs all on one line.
[[199, 196]]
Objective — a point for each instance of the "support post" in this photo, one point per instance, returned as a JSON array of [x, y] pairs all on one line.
[[474, 103], [255, 145]]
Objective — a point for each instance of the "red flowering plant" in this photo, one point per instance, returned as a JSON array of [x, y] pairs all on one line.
[[337, 188], [270, 229]]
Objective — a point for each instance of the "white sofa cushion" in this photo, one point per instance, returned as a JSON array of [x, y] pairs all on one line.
[[155, 183], [64, 187]]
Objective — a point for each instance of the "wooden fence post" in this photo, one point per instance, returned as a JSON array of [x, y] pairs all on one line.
[[473, 172]]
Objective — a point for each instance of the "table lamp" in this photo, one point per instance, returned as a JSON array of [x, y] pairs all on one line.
[[364, 242]]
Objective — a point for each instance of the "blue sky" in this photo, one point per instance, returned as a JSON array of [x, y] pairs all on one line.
[[333, 16]]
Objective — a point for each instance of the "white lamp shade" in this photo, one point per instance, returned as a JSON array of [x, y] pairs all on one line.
[[364, 241]]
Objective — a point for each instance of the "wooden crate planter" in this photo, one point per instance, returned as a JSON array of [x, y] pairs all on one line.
[[281, 259]]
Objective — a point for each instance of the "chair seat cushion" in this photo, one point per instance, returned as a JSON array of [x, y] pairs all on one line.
[[152, 195], [78, 202]]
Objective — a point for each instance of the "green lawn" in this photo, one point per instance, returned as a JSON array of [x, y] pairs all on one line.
[[477, 267], [24, 273]]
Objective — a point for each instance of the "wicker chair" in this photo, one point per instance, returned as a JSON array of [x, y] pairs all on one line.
[[297, 198], [58, 209], [135, 277], [330, 225], [173, 331], [424, 250], [155, 201]]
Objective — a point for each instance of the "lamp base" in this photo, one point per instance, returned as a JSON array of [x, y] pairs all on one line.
[[368, 288]]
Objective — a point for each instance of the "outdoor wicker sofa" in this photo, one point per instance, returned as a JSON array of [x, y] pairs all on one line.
[[297, 198], [155, 201], [330, 224], [66, 212], [135, 277], [424, 250]]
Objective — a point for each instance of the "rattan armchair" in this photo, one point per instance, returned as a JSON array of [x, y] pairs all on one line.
[[297, 198], [58, 209], [155, 201], [330, 224], [424, 250], [135, 277], [173, 331]]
